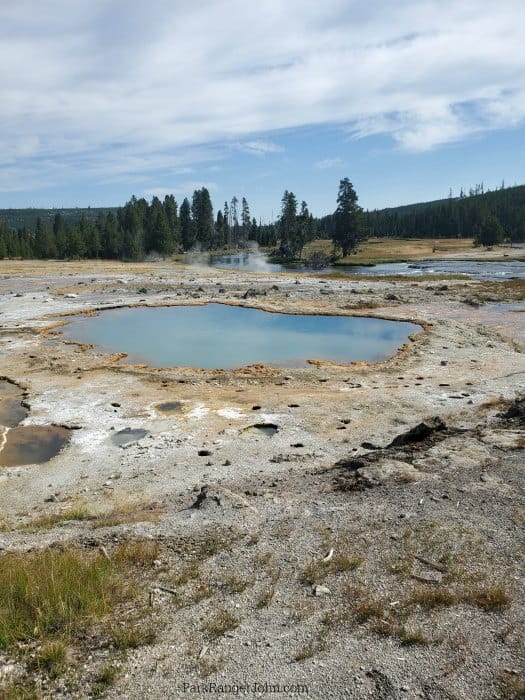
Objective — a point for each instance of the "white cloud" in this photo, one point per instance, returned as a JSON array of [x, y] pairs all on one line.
[[110, 91], [260, 147], [328, 163]]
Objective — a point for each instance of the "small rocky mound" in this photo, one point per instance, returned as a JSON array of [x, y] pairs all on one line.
[[419, 432], [516, 410]]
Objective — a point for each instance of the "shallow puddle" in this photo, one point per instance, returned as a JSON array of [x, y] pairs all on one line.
[[33, 444], [169, 406], [12, 411], [124, 437]]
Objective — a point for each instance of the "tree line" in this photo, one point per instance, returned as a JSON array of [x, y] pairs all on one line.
[[489, 217], [141, 228]]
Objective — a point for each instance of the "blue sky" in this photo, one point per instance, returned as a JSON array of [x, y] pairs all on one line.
[[105, 99]]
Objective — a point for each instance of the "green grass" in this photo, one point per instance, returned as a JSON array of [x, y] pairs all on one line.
[[51, 658], [52, 593]]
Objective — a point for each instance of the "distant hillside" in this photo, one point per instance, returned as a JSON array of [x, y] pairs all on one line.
[[446, 218], [18, 218]]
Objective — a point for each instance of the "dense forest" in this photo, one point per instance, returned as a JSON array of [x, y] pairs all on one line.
[[160, 228], [465, 216], [134, 231]]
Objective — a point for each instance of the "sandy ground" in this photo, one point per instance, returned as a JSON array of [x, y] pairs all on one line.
[[282, 502]]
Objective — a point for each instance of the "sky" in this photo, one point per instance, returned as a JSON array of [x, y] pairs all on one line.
[[103, 99]]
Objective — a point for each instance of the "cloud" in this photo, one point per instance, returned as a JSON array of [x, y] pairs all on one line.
[[260, 148], [328, 163], [106, 91]]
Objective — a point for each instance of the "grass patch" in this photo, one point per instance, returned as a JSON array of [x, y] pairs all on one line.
[[129, 513], [412, 637], [492, 598], [233, 584], [51, 658], [488, 598], [318, 570], [141, 553], [512, 687], [220, 623], [48, 521], [22, 689], [132, 636], [106, 677], [53, 593], [360, 605], [313, 647], [430, 599]]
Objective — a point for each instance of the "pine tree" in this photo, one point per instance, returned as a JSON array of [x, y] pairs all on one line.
[[187, 228], [170, 207], [60, 231], [202, 213], [160, 239], [288, 226], [112, 237], [348, 229], [245, 219], [490, 232], [44, 240]]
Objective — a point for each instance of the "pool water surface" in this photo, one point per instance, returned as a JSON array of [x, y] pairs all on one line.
[[220, 336]]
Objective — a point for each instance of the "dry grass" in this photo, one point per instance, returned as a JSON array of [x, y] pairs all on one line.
[[221, 622], [318, 570], [487, 598], [48, 521], [134, 554], [233, 584], [129, 513], [512, 686], [105, 679], [313, 646], [376, 250], [266, 596]]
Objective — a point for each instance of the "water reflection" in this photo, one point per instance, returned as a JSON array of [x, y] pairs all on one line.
[[220, 336]]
